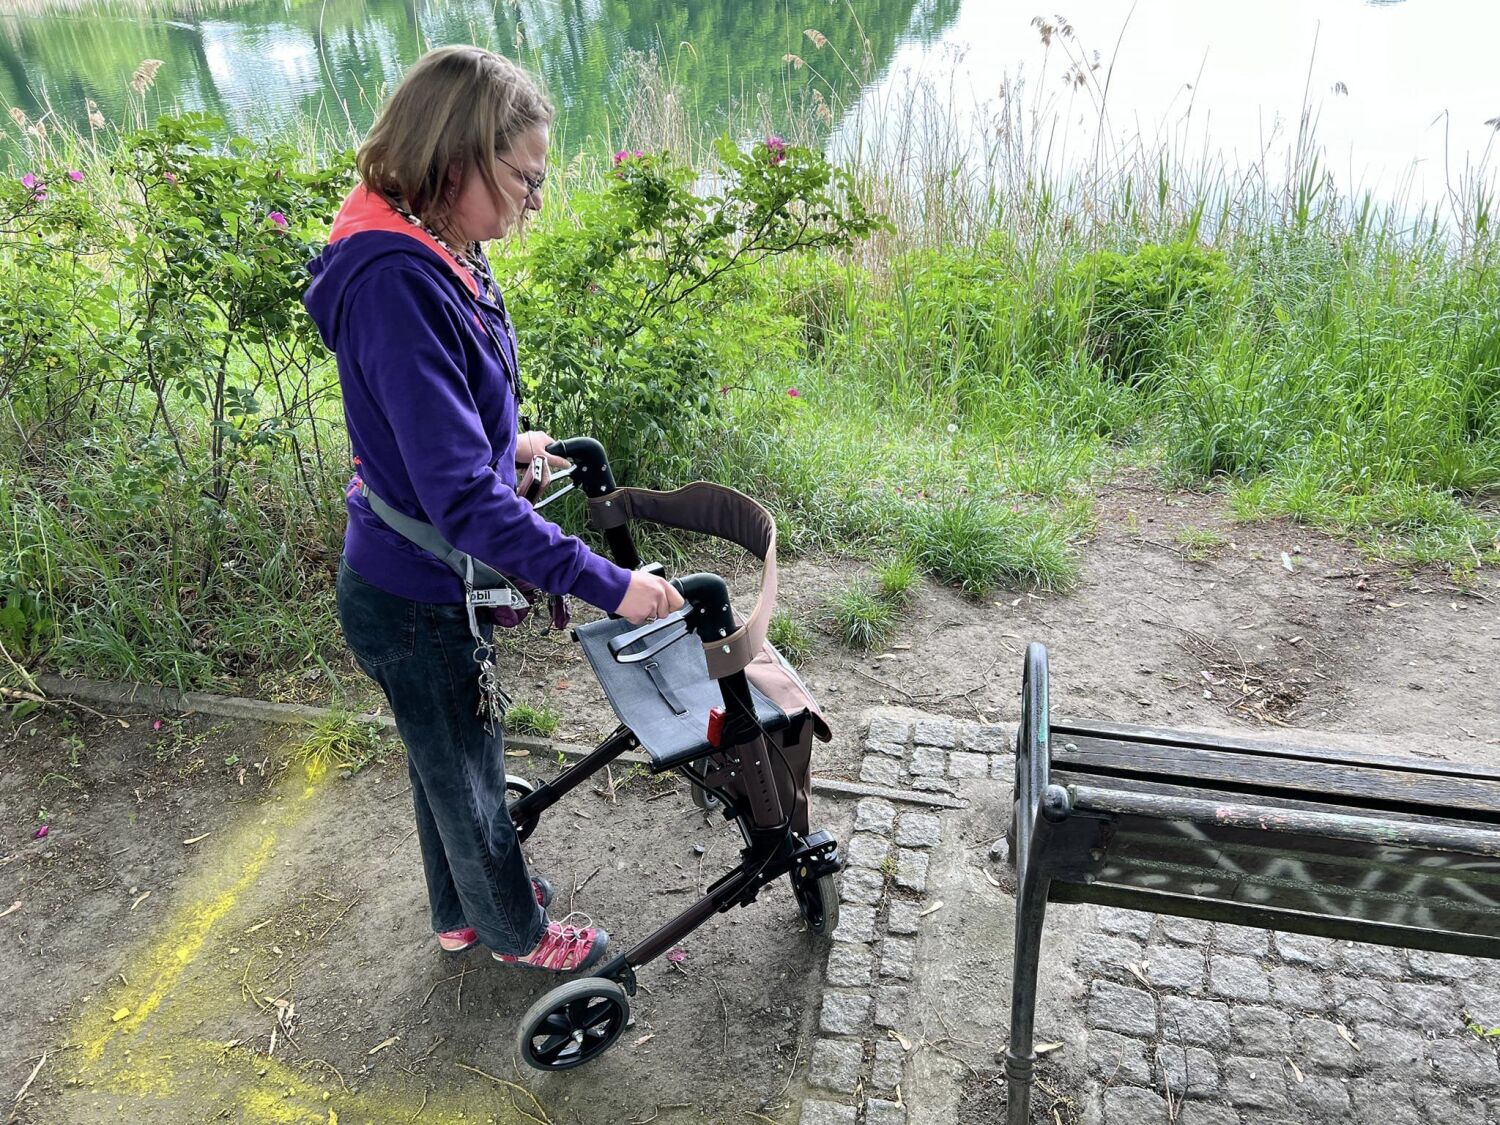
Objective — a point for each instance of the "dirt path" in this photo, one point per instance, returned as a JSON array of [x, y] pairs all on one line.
[[209, 930]]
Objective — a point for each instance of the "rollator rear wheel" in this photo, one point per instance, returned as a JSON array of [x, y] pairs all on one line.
[[818, 902], [515, 789], [573, 1024]]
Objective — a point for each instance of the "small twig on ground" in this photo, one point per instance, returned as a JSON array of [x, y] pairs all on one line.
[[336, 1074], [417, 1116], [393, 796], [339, 916], [578, 887], [881, 683], [513, 1087], [459, 976], [724, 1007], [30, 1078], [410, 833]]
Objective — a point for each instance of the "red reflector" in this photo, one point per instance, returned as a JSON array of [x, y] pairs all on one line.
[[715, 726]]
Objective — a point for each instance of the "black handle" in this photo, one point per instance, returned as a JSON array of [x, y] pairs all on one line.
[[591, 470], [708, 594]]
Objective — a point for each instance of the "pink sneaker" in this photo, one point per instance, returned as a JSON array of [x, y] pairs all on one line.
[[564, 948], [456, 941]]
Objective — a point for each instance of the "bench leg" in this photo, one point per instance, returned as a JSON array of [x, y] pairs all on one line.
[[1020, 1058]]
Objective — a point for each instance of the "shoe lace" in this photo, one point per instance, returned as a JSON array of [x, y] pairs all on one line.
[[564, 938]]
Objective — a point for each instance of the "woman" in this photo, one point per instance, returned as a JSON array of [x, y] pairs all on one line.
[[404, 297]]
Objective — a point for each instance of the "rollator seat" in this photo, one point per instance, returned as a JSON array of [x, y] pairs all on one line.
[[665, 700]]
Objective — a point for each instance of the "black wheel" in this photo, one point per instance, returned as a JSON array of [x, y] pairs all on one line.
[[515, 789], [704, 799], [818, 902], [573, 1024]]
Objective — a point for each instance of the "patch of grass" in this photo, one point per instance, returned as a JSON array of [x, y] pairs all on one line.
[[523, 718], [861, 619], [1199, 544], [896, 579], [789, 637], [340, 742], [977, 545]]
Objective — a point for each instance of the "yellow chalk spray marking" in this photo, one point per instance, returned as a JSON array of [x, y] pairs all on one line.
[[145, 1043]]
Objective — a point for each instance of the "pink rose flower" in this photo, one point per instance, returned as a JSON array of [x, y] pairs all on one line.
[[76, 177], [793, 392], [279, 219]]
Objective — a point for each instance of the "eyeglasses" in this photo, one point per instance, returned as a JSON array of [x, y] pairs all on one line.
[[534, 184]]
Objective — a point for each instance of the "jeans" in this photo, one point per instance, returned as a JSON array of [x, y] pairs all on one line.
[[422, 656]]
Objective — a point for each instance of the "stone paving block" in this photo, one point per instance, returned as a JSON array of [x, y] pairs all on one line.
[[892, 1006], [992, 738], [1386, 1102], [1322, 1099], [1195, 1114], [1297, 988], [1444, 1107], [1315, 952], [879, 770], [902, 917], [1361, 960], [911, 870], [885, 728], [1468, 1063], [871, 814], [1201, 1023], [941, 733], [890, 1061], [1106, 955], [1238, 978], [861, 885], [927, 762], [1261, 1031], [1176, 967], [1130, 1104], [1444, 966], [1187, 931], [866, 849], [1189, 1072], [889, 749], [968, 765], [850, 966], [1118, 1060], [919, 830], [835, 1064], [1482, 1001], [1133, 923], [844, 1013], [1319, 1046], [1400, 1003], [1242, 939], [896, 957], [1255, 1084], [827, 1113], [878, 1111], [1392, 1051], [1129, 1011], [856, 924], [1002, 768]]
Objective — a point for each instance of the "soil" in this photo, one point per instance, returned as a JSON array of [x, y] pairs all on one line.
[[213, 929]]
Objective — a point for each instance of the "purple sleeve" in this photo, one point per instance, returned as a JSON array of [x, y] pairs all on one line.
[[406, 337]]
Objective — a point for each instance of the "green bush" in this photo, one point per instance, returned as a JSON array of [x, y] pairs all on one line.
[[788, 636], [861, 620], [977, 545], [621, 307], [1136, 301]]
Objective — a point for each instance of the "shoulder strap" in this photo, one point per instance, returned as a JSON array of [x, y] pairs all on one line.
[[474, 574]]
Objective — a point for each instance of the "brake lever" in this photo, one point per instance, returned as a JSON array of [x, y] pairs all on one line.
[[618, 645]]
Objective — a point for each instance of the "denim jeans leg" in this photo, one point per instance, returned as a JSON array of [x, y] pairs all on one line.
[[422, 657], [442, 895]]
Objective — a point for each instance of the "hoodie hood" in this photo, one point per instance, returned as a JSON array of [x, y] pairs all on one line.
[[366, 229]]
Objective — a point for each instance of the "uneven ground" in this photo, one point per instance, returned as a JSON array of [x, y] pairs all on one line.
[[277, 968]]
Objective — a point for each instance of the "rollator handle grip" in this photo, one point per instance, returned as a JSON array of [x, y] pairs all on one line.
[[591, 471]]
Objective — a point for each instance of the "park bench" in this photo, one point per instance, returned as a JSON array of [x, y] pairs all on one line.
[[1395, 851]]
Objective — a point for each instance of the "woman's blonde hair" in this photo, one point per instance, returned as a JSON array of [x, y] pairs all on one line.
[[457, 107]]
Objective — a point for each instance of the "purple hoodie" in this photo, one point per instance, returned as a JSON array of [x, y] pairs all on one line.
[[431, 414]]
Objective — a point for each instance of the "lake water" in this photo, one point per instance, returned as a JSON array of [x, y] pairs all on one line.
[[1402, 92]]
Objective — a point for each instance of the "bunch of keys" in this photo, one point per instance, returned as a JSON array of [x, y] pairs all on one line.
[[493, 700]]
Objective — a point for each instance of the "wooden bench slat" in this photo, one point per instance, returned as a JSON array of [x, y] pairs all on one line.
[[1062, 731], [1068, 778], [1245, 776]]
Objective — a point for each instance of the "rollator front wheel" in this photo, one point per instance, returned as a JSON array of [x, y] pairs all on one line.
[[515, 789], [573, 1024], [818, 903]]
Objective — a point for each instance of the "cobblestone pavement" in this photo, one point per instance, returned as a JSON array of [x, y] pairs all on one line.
[[1158, 1019]]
